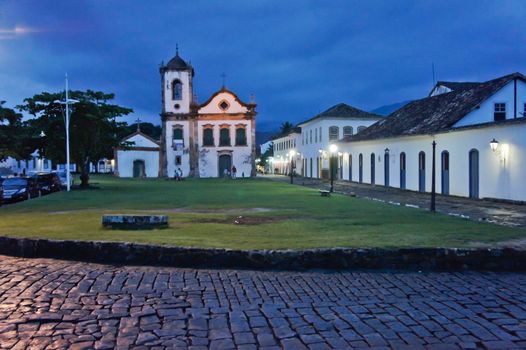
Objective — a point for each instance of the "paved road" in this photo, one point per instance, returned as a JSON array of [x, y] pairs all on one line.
[[53, 304], [507, 214]]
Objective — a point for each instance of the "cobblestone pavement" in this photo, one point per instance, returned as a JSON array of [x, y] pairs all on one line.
[[53, 304], [507, 214]]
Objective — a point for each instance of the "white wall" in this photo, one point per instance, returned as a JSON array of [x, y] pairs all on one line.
[[213, 106], [209, 155], [171, 153], [184, 103], [501, 174], [126, 158], [485, 112], [281, 159], [310, 150]]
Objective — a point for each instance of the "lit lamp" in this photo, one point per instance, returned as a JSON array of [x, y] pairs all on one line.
[[494, 144], [333, 149]]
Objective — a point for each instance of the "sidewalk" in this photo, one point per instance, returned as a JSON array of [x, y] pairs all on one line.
[[506, 214]]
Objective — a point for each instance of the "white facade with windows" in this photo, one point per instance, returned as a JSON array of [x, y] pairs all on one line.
[[287, 153], [328, 127], [465, 163]]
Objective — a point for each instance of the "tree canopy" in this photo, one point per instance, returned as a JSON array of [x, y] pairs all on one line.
[[94, 128], [13, 136]]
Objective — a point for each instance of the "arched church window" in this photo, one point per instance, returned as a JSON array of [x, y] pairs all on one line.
[[208, 136], [241, 136], [177, 90], [224, 136]]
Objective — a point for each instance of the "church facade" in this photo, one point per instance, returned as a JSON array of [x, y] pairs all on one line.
[[200, 140]]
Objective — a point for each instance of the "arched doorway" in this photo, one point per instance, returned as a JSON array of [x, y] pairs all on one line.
[[402, 170], [473, 173], [224, 162], [422, 172], [373, 169], [139, 170], [386, 169], [350, 167], [360, 168], [445, 172]]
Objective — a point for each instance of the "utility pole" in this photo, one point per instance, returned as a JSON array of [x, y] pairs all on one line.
[[433, 170]]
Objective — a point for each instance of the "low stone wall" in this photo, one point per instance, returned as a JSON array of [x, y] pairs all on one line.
[[335, 258]]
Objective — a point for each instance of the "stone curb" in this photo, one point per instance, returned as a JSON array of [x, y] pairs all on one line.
[[434, 259]]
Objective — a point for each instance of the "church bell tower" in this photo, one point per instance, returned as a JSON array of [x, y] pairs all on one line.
[[176, 79]]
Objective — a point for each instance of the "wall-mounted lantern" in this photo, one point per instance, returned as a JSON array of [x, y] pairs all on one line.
[[494, 144]]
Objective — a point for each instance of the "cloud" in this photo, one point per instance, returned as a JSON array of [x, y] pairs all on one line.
[[297, 57]]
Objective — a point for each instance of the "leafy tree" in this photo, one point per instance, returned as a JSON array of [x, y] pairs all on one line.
[[152, 130], [94, 129], [13, 136], [285, 128]]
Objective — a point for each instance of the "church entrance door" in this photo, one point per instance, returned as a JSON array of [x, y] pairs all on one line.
[[139, 168], [225, 162]]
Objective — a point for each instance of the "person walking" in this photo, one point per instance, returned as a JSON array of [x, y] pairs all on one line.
[[234, 171]]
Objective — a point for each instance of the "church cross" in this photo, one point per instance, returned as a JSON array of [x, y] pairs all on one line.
[[224, 78], [138, 121]]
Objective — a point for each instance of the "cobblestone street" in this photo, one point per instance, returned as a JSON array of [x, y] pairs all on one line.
[[53, 304], [501, 213]]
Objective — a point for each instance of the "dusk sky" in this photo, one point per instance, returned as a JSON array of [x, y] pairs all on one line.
[[297, 57]]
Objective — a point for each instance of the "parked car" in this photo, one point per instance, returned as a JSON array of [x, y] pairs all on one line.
[[19, 189], [47, 182], [63, 178]]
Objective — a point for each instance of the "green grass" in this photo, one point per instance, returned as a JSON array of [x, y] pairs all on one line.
[[202, 214]]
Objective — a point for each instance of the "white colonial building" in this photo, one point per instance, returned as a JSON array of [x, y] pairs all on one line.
[[286, 153], [319, 132], [479, 132], [201, 140]]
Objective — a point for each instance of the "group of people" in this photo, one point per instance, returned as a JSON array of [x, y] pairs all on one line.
[[230, 173], [178, 175]]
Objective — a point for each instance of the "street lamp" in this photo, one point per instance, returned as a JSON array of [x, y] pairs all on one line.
[[333, 149], [41, 150], [67, 102], [292, 154]]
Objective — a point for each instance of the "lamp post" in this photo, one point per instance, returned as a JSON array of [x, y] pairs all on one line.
[[333, 149], [292, 153], [41, 151]]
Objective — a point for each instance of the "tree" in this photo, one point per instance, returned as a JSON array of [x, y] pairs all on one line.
[[285, 128], [94, 129], [13, 136], [152, 130]]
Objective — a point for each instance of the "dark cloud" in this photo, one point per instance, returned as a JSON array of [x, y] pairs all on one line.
[[297, 57]]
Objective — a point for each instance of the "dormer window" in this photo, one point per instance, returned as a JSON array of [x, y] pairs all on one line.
[[499, 112], [177, 90]]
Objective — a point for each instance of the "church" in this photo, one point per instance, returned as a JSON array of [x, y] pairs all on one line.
[[199, 140]]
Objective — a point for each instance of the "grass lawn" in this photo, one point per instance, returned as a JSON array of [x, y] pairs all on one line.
[[274, 215]]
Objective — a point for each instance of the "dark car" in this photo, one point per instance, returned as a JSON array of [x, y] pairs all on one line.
[[19, 189], [47, 182]]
